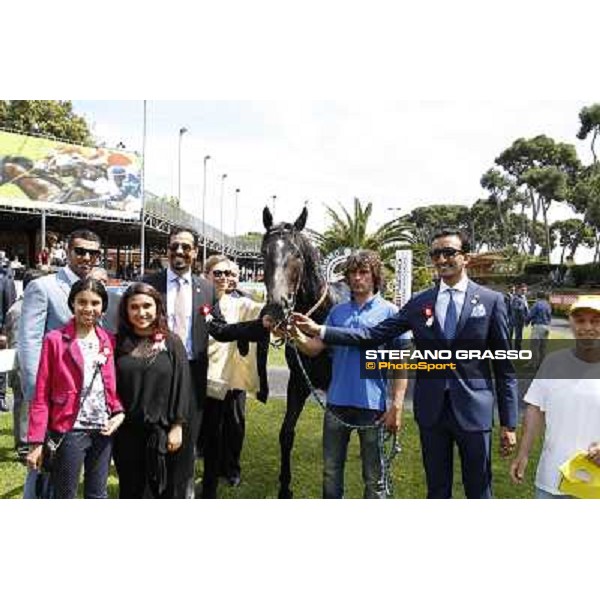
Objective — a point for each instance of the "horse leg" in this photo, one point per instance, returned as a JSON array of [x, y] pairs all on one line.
[[297, 393]]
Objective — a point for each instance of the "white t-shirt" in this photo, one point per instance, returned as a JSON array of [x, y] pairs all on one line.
[[567, 391]]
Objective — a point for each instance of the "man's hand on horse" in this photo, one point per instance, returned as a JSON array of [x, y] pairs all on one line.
[[306, 324], [275, 327]]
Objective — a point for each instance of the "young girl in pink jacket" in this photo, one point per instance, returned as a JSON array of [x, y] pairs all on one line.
[[75, 402]]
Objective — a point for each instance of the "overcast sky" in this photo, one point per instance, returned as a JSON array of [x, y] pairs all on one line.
[[396, 154]]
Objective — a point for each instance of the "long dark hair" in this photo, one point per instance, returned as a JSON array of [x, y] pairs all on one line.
[[126, 337]]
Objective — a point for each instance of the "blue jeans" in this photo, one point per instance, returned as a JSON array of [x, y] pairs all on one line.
[[79, 448], [544, 495], [335, 449], [37, 486]]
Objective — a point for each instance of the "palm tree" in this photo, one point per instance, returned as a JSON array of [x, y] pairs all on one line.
[[351, 231]]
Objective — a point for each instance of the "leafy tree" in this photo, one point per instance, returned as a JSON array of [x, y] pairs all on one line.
[[584, 197], [427, 220], [571, 233], [501, 197], [589, 117], [53, 118], [544, 170]]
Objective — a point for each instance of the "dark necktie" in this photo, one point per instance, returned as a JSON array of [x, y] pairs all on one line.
[[451, 318]]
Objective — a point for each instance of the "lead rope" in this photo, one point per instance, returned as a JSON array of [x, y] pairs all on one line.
[[389, 446]]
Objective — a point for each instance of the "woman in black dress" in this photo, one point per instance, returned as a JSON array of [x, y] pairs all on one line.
[[153, 382]]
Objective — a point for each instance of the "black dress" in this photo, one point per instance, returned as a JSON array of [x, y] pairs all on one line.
[[155, 392]]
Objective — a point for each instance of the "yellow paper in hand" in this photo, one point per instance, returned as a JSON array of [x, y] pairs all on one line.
[[580, 477]]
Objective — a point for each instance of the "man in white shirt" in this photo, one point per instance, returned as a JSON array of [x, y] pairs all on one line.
[[564, 398]]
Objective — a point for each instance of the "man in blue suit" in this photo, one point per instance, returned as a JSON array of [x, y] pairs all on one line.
[[458, 408], [45, 308]]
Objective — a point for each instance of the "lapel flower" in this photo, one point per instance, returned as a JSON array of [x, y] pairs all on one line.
[[102, 357], [159, 342], [475, 299], [428, 314], [205, 310]]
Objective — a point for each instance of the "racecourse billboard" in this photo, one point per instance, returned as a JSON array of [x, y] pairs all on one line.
[[40, 172]]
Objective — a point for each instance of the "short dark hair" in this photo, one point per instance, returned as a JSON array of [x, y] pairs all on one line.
[[177, 230], [88, 285], [465, 242], [125, 332], [83, 234], [366, 259]]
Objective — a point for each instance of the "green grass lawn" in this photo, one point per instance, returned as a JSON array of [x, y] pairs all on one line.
[[260, 461]]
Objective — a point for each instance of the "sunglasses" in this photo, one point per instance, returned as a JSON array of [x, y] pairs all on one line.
[[81, 252], [445, 252], [223, 273], [187, 248]]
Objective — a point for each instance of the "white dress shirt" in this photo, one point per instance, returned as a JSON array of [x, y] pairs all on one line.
[[172, 287], [443, 299]]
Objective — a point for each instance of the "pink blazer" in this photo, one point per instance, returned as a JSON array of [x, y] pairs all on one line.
[[55, 404]]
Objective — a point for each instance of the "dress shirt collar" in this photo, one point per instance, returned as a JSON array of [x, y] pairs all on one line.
[[72, 277], [175, 277], [461, 286]]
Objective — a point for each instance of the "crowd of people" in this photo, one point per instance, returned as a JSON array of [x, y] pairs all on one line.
[[160, 381]]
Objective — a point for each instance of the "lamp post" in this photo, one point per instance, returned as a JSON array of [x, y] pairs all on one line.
[[182, 131], [206, 159], [235, 216], [223, 178], [143, 192]]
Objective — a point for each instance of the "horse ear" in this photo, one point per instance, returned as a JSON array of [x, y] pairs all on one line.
[[301, 220], [267, 218]]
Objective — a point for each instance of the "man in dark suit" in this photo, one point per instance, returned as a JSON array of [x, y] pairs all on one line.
[[187, 299], [458, 408]]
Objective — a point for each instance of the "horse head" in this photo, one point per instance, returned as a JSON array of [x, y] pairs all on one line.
[[287, 261]]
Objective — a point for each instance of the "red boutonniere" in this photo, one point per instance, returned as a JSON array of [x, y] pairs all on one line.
[[205, 310], [159, 342], [102, 356], [428, 314]]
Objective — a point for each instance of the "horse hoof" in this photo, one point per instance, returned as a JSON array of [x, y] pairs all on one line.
[[285, 494]]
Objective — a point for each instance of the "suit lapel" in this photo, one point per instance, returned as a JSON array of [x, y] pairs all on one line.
[[196, 296], [63, 282], [437, 328], [467, 307]]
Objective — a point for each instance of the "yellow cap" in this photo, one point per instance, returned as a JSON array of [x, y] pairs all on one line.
[[590, 302]]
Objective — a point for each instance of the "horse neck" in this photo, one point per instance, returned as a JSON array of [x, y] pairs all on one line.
[[309, 296]]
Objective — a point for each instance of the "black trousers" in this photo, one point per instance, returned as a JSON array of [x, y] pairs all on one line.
[[224, 427], [129, 455]]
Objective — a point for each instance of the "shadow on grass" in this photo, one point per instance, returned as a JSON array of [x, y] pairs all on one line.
[[16, 492]]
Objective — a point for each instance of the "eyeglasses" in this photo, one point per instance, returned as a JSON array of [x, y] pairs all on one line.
[[222, 273], [81, 252], [447, 252], [187, 248]]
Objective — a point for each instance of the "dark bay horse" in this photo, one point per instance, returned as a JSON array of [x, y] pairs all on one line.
[[295, 283]]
